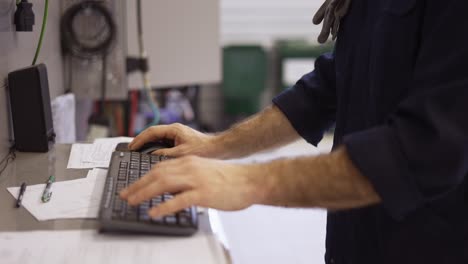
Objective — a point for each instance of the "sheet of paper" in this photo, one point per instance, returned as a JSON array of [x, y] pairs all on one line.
[[96, 155], [70, 199], [63, 113], [102, 149], [90, 247], [78, 158]]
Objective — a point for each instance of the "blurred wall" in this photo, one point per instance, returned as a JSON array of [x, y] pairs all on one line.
[[264, 21]]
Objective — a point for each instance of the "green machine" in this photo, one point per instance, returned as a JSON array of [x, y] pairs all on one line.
[[244, 79]]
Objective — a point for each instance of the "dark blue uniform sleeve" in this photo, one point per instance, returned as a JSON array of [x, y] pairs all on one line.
[[310, 105], [421, 153]]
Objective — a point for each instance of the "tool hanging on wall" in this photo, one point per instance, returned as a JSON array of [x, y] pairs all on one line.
[[88, 32]]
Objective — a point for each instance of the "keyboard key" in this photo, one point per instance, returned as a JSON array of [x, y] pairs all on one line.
[[145, 206], [156, 201], [154, 159], [184, 220], [171, 220], [183, 215], [132, 213], [144, 216], [122, 177], [132, 180], [134, 165], [123, 207], [157, 220], [167, 197], [120, 187], [118, 205]]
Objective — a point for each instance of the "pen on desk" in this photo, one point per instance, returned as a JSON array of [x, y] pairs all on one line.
[[47, 193], [20, 195]]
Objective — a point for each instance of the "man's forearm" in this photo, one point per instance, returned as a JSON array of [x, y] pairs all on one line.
[[267, 129], [328, 181]]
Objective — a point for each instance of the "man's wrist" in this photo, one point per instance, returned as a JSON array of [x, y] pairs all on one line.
[[262, 182], [219, 146], [214, 146]]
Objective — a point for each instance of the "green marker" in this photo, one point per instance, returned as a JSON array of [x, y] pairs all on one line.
[[47, 193]]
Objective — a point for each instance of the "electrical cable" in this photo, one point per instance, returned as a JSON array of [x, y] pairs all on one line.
[[41, 36], [145, 74], [104, 83], [5, 83], [69, 78], [11, 156]]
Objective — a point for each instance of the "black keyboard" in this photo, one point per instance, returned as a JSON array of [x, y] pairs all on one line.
[[116, 215]]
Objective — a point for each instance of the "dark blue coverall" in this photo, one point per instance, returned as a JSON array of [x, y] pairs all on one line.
[[397, 87]]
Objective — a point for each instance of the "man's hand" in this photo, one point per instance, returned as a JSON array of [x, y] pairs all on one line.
[[196, 181], [187, 141], [267, 129]]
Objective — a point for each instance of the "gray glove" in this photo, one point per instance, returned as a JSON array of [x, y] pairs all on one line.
[[331, 13]]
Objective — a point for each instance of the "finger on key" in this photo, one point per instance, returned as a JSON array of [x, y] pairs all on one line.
[[176, 204], [142, 182]]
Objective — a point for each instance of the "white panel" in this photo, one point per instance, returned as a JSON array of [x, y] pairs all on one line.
[[182, 41], [294, 69]]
